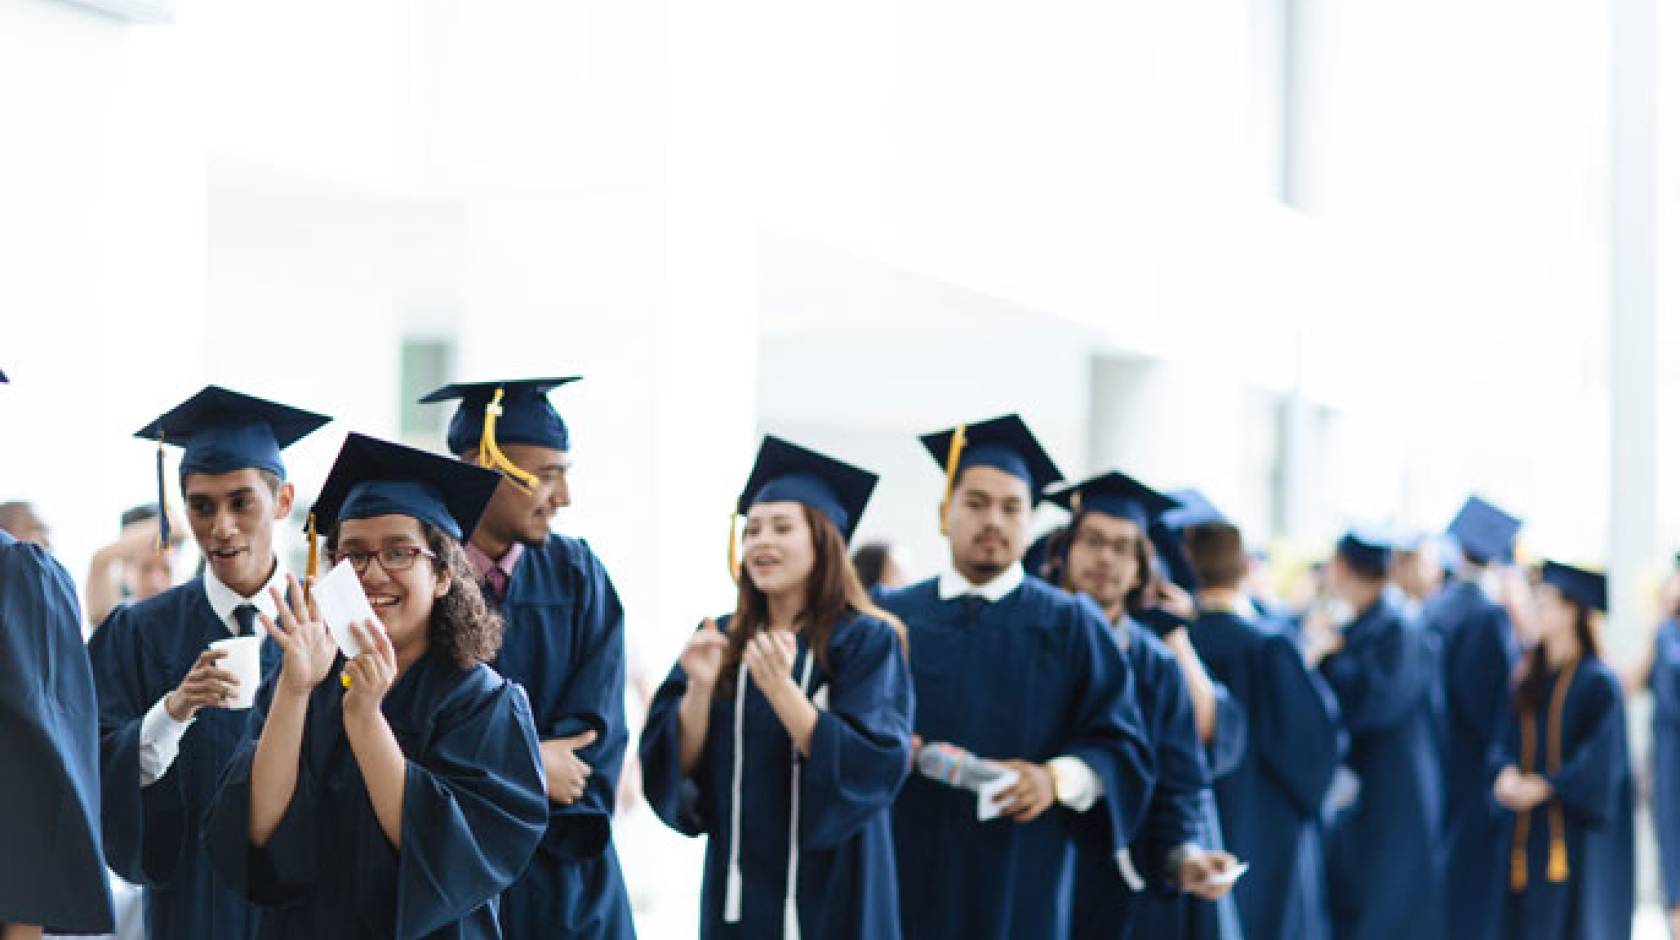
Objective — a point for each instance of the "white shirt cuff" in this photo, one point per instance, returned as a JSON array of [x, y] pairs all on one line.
[[160, 741], [1077, 785]]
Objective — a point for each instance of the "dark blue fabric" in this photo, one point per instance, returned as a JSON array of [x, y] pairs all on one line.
[[1595, 785], [140, 654], [1030, 677], [860, 754], [1383, 851], [1665, 756], [1477, 654], [564, 642], [473, 811], [1269, 801], [52, 869]]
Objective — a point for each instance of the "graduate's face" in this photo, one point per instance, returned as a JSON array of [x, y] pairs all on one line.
[[402, 599], [1554, 614], [1102, 559], [987, 522], [149, 575], [517, 516], [777, 550], [232, 516]]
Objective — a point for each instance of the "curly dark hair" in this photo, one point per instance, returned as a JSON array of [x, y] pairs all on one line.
[[463, 626]]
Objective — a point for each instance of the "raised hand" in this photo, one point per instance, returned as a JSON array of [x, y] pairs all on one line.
[[303, 639], [769, 657], [370, 674], [703, 656]]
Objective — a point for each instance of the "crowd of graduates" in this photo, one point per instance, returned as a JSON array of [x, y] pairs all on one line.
[[1105, 732]]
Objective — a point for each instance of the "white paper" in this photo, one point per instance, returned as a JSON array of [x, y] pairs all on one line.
[[1226, 877], [339, 598], [244, 660], [989, 806]]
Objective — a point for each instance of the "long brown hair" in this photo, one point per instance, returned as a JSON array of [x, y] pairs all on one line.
[[1531, 670], [832, 592]]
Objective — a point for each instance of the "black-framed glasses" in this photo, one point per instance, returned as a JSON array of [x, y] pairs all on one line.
[[393, 558]]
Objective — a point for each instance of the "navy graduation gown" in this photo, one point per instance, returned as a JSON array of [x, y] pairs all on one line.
[[1032, 676], [1595, 786], [1269, 802], [474, 809], [1477, 648], [564, 642], [1383, 851], [860, 754], [140, 654], [1665, 756], [52, 869], [1180, 811]]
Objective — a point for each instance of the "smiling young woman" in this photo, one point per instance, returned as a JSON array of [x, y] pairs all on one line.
[[783, 732]]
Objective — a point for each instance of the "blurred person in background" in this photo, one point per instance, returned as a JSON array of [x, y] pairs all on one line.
[[881, 564], [20, 520], [134, 567]]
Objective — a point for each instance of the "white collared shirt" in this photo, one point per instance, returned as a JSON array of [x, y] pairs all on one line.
[[953, 585], [160, 733], [1077, 785]]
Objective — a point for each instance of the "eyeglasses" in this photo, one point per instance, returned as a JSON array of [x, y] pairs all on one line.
[[392, 559], [1091, 541]]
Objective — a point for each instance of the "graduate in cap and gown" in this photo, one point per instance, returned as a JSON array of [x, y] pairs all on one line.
[[1562, 778], [1383, 844], [1663, 677], [1270, 802], [1164, 885], [164, 731], [52, 869], [783, 732], [1478, 652], [564, 642], [1016, 672], [395, 794]]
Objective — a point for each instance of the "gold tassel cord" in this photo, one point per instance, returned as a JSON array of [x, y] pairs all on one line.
[[734, 549], [490, 455], [959, 441], [163, 500], [311, 566], [1557, 856], [1519, 839]]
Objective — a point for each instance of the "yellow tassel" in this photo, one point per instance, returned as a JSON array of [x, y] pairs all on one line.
[[1557, 866], [163, 500], [491, 456], [734, 549], [959, 440], [312, 566], [1557, 860]]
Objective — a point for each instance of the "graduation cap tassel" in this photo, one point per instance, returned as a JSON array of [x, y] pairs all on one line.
[[163, 500], [312, 566], [491, 456], [959, 440], [734, 549]]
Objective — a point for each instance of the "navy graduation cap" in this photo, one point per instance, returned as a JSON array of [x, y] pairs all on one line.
[[507, 411], [1004, 443], [3, 378], [1483, 531], [1367, 550], [1590, 589], [1194, 508], [1114, 494], [221, 431], [372, 477], [787, 472]]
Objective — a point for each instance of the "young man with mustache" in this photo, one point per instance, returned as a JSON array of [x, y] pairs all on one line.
[[563, 641], [166, 730]]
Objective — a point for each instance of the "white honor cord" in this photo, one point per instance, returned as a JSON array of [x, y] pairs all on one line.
[[790, 905], [732, 883]]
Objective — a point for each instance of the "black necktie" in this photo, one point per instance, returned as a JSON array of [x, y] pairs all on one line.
[[971, 605], [246, 616]]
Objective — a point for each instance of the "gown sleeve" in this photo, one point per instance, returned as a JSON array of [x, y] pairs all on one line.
[[592, 700], [287, 866], [1107, 733], [1296, 730], [1594, 763], [860, 749], [1229, 746], [678, 800], [1173, 818], [1478, 666], [474, 810], [144, 827]]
